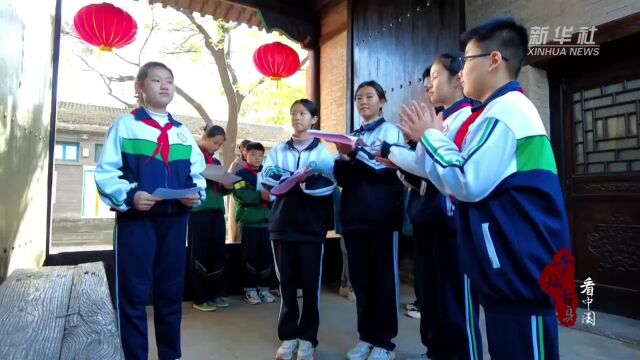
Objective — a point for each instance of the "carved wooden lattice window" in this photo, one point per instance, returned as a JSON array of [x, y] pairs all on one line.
[[605, 128]]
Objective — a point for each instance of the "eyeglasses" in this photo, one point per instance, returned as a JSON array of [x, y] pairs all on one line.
[[464, 59]]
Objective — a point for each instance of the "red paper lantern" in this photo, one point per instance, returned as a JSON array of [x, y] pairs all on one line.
[[276, 60], [105, 26]]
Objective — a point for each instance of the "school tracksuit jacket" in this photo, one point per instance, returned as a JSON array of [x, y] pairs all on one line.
[[142, 153], [300, 221], [511, 216], [253, 215], [207, 234], [449, 325], [371, 215]]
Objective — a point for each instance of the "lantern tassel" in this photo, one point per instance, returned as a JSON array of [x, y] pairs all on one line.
[[278, 81]]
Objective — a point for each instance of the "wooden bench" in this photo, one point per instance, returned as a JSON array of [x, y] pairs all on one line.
[[58, 312]]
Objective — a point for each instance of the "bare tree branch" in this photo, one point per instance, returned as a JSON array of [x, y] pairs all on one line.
[[181, 52], [126, 60], [196, 105], [188, 38], [182, 29], [234, 98], [304, 61], [154, 24], [107, 80], [219, 59], [67, 32], [255, 85], [227, 58]]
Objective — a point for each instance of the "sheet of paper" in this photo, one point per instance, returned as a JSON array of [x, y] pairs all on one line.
[[292, 181], [168, 194], [218, 174], [334, 137]]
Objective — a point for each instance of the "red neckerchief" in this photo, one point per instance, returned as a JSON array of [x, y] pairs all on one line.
[[164, 147], [265, 204], [208, 157], [465, 104], [464, 129], [210, 160], [248, 167]]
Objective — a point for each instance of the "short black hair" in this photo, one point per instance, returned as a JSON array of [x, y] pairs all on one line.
[[311, 107], [505, 35], [143, 72], [244, 143], [373, 84], [254, 146], [451, 62], [211, 130], [426, 73]]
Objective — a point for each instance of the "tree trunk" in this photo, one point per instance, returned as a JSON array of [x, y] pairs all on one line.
[[229, 147]]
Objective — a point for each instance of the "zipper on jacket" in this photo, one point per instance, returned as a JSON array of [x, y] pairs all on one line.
[[166, 185], [299, 157]]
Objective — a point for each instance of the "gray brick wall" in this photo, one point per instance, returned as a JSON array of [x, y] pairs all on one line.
[[536, 85], [551, 13]]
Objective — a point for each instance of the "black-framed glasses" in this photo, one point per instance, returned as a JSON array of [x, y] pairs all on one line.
[[464, 59]]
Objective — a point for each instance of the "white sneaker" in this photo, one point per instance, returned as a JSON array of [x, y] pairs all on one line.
[[352, 296], [287, 349], [251, 297], [411, 306], [266, 296], [381, 354], [360, 351], [305, 350], [414, 314], [419, 357]]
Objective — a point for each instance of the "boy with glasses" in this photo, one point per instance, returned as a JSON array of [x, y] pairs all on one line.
[[501, 170]]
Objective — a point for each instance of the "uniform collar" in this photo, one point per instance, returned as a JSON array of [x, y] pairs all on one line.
[[462, 103], [370, 126], [504, 89], [141, 114], [254, 172], [311, 146]]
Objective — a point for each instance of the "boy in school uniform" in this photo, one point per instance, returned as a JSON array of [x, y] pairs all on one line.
[[501, 170], [236, 165], [253, 213]]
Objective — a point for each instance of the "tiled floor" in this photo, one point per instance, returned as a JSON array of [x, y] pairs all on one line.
[[248, 332]]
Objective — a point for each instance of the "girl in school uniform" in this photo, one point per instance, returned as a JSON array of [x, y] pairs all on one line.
[[301, 218], [444, 292], [146, 150], [371, 215], [207, 232]]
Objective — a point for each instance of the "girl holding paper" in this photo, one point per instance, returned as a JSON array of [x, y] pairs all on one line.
[[207, 232], [371, 215], [301, 218], [145, 150]]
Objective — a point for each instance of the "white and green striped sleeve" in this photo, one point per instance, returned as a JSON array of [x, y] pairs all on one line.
[[198, 165], [114, 190], [489, 156], [405, 159]]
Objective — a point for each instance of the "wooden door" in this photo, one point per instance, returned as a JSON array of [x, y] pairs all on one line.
[[602, 174]]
